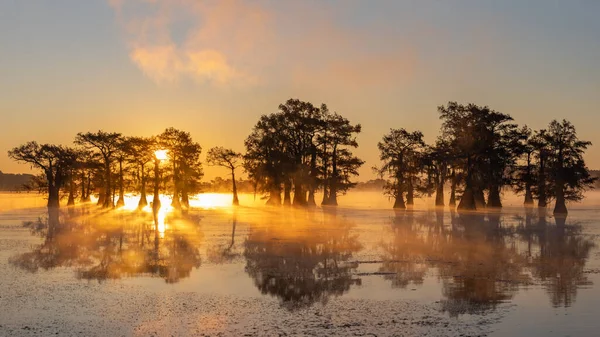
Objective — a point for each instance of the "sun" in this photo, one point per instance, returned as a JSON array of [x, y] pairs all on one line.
[[161, 154]]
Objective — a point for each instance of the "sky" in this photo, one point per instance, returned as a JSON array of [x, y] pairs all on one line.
[[213, 67]]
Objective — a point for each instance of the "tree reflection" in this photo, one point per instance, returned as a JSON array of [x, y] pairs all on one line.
[[407, 253], [223, 252], [115, 245], [560, 257], [482, 266], [301, 259], [483, 259]]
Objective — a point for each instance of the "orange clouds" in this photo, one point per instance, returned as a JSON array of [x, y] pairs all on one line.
[[217, 37], [235, 42]]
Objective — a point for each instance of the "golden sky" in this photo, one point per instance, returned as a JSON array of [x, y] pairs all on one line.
[[213, 67]]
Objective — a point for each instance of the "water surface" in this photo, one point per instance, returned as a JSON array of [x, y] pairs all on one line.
[[358, 269]]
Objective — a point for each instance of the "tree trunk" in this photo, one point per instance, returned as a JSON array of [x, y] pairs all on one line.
[[274, 196], [494, 200], [311, 198], [112, 200], [528, 196], [83, 196], [143, 198], [325, 200], [299, 195], [313, 177], [399, 202], [235, 201], [53, 196], [410, 194], [88, 193], [156, 199], [560, 208], [287, 193], [71, 200], [53, 190], [185, 197], [439, 194], [467, 200], [121, 201], [542, 197], [101, 196], [108, 186], [334, 179], [479, 198], [175, 203]]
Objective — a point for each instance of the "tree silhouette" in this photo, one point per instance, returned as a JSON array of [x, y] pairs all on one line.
[[107, 144], [525, 177], [477, 134], [568, 173], [401, 153], [541, 153], [265, 159], [299, 148], [219, 156], [121, 156], [140, 153], [184, 157], [54, 160], [437, 162], [338, 137]]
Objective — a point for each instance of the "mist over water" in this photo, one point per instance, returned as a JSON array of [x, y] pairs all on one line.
[[234, 269]]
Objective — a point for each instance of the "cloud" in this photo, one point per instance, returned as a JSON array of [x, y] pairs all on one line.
[[236, 42], [210, 48]]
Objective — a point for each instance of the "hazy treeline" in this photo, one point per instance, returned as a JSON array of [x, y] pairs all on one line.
[[302, 149], [482, 152], [15, 182], [596, 174]]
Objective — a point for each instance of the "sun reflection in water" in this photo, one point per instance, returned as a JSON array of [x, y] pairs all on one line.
[[160, 219], [199, 201]]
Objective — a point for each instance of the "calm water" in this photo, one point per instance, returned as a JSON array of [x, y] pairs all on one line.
[[358, 269]]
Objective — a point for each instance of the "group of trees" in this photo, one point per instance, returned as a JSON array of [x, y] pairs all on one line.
[[481, 151], [109, 163], [302, 148], [299, 149]]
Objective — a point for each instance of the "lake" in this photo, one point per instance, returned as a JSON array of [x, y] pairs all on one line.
[[359, 269]]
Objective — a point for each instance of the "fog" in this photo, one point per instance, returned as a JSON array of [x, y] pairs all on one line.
[[425, 270]]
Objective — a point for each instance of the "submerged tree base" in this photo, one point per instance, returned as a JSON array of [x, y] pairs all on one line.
[[467, 201]]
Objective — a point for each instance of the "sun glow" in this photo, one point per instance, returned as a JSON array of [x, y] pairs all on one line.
[[202, 200], [161, 154], [211, 200], [160, 220]]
